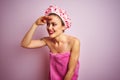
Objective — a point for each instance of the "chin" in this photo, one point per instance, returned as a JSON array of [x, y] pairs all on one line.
[[52, 36]]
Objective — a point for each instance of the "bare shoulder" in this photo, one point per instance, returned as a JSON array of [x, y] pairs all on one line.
[[73, 39], [46, 39], [74, 44]]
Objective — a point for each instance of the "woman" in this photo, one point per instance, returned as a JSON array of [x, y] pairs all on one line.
[[64, 49]]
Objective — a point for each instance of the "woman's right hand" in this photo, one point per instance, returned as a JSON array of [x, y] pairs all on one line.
[[42, 20]]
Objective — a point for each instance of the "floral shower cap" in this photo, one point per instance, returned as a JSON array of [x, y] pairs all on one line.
[[61, 13]]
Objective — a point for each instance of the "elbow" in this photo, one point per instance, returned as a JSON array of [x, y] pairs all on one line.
[[24, 45]]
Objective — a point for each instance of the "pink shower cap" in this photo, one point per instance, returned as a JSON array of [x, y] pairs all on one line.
[[61, 13]]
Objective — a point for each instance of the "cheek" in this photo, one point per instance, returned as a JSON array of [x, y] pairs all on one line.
[[58, 27]]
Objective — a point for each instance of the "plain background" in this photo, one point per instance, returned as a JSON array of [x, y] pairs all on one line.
[[95, 22]]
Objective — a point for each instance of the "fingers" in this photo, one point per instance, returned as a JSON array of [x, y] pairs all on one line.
[[46, 18], [43, 20]]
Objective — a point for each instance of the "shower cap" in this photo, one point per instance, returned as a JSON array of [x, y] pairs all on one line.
[[61, 13]]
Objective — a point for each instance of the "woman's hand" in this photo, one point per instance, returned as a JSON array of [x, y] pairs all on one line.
[[42, 20]]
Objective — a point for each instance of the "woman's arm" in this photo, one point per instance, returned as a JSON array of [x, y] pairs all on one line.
[[27, 41], [75, 53]]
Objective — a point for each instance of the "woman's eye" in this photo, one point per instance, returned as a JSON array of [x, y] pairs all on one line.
[[54, 24], [48, 24]]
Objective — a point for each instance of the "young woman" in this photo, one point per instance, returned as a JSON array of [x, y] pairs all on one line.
[[64, 49]]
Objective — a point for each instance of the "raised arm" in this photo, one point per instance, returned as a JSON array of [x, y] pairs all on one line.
[[27, 41]]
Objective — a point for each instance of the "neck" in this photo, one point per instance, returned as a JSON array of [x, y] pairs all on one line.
[[59, 38]]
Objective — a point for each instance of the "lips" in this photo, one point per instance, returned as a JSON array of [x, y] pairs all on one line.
[[50, 32]]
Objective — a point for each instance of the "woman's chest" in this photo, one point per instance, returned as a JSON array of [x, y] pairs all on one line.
[[60, 47]]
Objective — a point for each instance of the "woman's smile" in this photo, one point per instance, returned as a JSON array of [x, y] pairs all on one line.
[[51, 32]]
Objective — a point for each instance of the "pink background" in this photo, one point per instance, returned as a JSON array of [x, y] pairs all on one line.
[[95, 22]]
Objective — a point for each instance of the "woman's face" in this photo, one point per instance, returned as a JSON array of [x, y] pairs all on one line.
[[54, 26]]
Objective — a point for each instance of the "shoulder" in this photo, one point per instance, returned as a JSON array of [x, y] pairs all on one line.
[[73, 39], [46, 39], [76, 42]]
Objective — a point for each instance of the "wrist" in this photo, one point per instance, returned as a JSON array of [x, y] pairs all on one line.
[[35, 25]]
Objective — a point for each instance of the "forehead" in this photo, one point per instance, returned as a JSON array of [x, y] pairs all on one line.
[[54, 18]]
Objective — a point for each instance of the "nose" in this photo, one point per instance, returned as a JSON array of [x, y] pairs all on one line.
[[50, 27]]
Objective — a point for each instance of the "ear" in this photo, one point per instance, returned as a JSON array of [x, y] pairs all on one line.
[[64, 28]]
